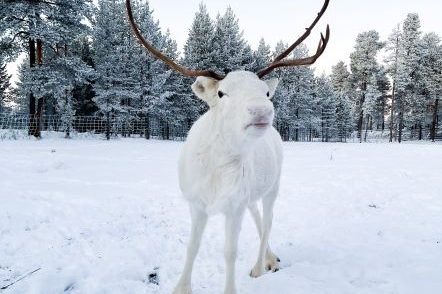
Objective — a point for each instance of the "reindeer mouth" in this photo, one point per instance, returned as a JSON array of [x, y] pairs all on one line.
[[258, 125]]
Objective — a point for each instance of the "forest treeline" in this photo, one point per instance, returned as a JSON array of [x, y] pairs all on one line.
[[83, 60]]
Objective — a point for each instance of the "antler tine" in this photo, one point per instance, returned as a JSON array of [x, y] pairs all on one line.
[[302, 61], [301, 39], [158, 54], [305, 35]]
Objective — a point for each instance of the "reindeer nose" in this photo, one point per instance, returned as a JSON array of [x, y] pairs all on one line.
[[260, 110]]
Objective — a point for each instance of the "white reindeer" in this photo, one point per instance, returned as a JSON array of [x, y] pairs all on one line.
[[232, 156]]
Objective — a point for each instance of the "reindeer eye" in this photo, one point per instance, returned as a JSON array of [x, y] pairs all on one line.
[[220, 94], [268, 94]]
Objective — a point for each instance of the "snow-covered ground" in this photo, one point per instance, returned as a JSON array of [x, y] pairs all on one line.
[[99, 217]]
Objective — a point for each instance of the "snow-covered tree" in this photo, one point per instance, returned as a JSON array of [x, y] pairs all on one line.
[[109, 34], [4, 86], [35, 27], [231, 50], [281, 99], [375, 106], [363, 66], [173, 107], [199, 53], [125, 72], [340, 79], [295, 103], [431, 61], [409, 81], [303, 99], [261, 57], [198, 50], [393, 47], [55, 80], [83, 93], [328, 105]]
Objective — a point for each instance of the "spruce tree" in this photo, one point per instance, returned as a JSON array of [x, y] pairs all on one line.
[[51, 26], [327, 103], [393, 47], [377, 92], [363, 65], [431, 61], [281, 98], [231, 50], [304, 103], [411, 106], [172, 108], [340, 79], [4, 86], [199, 53], [198, 50], [261, 57]]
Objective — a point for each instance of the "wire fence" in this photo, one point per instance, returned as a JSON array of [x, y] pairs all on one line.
[[111, 126], [19, 125]]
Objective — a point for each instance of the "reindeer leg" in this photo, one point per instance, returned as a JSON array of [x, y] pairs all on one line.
[[199, 221], [233, 227], [266, 259], [271, 260]]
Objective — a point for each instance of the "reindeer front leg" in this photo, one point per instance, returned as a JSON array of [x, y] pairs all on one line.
[[265, 257], [271, 260], [233, 227], [199, 221]]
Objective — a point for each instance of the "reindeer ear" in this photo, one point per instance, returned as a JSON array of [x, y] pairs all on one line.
[[272, 84], [206, 88]]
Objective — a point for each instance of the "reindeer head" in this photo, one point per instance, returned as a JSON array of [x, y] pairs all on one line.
[[242, 97]]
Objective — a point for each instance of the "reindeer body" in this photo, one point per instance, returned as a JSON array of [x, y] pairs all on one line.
[[231, 159]]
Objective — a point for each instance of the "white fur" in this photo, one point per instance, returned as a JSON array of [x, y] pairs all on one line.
[[231, 159]]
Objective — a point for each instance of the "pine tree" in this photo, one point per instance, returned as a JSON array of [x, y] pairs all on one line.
[[393, 47], [31, 26], [295, 104], [261, 57], [199, 53], [232, 51], [304, 102], [363, 65], [83, 93], [340, 79], [172, 108], [378, 90], [411, 105], [115, 84], [371, 106], [4, 86], [281, 98], [198, 50], [431, 61], [328, 105]]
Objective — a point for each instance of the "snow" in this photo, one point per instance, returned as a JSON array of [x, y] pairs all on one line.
[[99, 217]]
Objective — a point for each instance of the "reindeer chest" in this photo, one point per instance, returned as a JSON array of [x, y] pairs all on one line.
[[227, 183]]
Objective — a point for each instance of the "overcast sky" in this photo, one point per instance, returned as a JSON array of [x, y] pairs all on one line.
[[286, 19]]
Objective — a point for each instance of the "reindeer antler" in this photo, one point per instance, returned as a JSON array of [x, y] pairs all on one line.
[[168, 61], [279, 62]]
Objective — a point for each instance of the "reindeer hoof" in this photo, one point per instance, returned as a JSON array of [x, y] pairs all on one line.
[[256, 272], [272, 265]]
